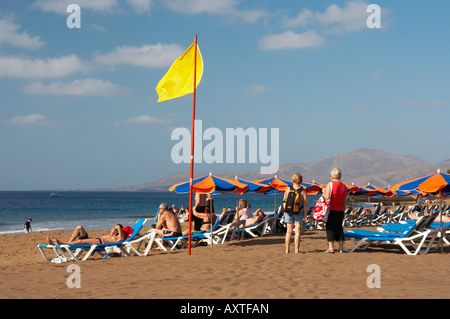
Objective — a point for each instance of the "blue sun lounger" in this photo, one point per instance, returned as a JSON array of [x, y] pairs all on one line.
[[218, 234], [417, 232], [74, 252], [182, 241]]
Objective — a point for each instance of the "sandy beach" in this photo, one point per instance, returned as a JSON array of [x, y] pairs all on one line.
[[251, 268]]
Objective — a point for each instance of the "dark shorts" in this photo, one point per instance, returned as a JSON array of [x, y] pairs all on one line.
[[83, 237], [168, 234]]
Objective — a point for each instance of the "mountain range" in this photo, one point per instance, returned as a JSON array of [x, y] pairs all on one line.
[[361, 166]]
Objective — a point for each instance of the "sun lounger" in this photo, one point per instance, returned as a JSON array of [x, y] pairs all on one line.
[[415, 236], [398, 214], [445, 236], [351, 220], [366, 219], [74, 252], [182, 241], [224, 233], [258, 229], [381, 218]]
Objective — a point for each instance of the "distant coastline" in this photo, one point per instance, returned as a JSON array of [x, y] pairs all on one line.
[[361, 166]]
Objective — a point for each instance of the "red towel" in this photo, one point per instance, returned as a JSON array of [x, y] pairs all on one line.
[[127, 231]]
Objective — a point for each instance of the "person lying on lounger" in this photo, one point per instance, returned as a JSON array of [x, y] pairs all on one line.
[[259, 216], [80, 236], [445, 218]]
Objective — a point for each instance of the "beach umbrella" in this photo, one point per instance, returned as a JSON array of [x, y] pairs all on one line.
[[391, 192], [254, 186], [355, 190], [351, 188], [413, 193], [208, 185], [435, 184], [379, 191], [361, 190], [312, 188], [278, 186], [276, 183]]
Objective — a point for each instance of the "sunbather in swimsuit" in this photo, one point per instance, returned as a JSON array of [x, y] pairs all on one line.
[[168, 234], [80, 237]]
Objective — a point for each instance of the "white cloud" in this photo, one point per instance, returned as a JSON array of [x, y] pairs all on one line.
[[425, 105], [257, 89], [291, 40], [60, 6], [91, 87], [351, 17], [378, 73], [10, 34], [154, 56], [311, 113], [141, 119], [141, 6], [15, 67], [361, 107], [31, 119], [145, 119], [200, 6], [226, 8]]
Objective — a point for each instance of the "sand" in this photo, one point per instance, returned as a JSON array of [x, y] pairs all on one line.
[[254, 268]]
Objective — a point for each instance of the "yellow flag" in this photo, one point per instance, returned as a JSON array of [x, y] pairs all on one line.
[[179, 80]]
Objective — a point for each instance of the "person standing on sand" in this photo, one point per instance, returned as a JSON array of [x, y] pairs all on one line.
[[338, 202], [296, 219]]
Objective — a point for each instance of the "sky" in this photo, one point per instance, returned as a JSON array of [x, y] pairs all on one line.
[[79, 107]]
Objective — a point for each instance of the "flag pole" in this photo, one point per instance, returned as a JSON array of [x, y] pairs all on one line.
[[192, 147]]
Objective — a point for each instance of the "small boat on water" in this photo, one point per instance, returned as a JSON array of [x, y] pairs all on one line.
[[55, 195]]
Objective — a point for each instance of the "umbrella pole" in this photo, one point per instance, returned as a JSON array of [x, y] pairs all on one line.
[[210, 219], [442, 226], [275, 205]]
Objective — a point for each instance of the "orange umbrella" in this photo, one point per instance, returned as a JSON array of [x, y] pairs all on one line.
[[208, 185], [351, 188], [362, 190], [379, 191], [277, 183], [429, 184], [436, 184], [391, 191], [253, 186], [313, 188]]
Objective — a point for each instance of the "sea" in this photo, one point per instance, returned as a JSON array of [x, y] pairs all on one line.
[[102, 210]]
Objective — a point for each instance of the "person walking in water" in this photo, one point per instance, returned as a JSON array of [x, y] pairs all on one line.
[[27, 226]]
